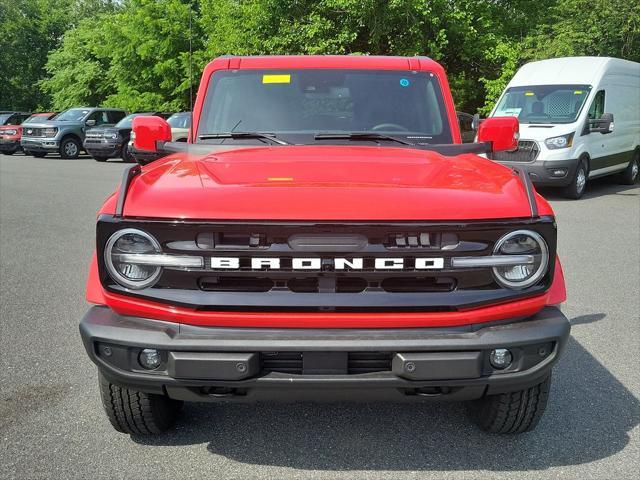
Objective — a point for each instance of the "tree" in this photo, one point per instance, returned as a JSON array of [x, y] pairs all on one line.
[[30, 29]]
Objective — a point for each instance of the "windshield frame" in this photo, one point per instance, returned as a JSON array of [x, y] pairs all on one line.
[[445, 136], [531, 88]]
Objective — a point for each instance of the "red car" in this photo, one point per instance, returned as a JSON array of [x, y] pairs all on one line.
[[11, 128], [324, 233]]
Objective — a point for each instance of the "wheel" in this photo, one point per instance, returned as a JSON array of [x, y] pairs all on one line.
[[101, 159], [70, 148], [513, 412], [36, 154], [126, 156], [8, 152], [630, 175], [576, 188], [137, 413]]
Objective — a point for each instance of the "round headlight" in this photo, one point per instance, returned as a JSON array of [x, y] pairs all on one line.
[[121, 247], [535, 253]]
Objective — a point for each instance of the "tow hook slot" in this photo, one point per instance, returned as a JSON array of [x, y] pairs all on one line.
[[428, 391]]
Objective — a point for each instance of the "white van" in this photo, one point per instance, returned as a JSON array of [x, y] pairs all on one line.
[[579, 119]]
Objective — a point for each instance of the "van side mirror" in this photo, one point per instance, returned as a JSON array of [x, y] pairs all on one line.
[[90, 123], [148, 134], [502, 132], [603, 125]]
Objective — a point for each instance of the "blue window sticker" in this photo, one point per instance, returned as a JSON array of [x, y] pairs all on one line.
[[404, 82]]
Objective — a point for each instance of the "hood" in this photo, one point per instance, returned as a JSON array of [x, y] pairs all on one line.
[[327, 183], [541, 132], [55, 123]]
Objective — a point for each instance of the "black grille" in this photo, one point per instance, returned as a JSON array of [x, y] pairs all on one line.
[[527, 152], [357, 363], [325, 287]]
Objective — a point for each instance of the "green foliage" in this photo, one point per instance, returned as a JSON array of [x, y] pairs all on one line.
[[134, 53]]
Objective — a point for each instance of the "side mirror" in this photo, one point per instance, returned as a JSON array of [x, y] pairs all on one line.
[[475, 123], [90, 123], [148, 131], [502, 132], [603, 125]]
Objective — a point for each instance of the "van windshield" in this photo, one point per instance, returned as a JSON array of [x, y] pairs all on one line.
[[300, 105], [543, 103], [73, 115]]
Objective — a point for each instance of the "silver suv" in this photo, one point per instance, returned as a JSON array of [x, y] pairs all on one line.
[[66, 133]]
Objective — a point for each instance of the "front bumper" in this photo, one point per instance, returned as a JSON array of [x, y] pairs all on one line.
[[40, 145], [212, 364], [9, 145], [543, 172], [103, 149]]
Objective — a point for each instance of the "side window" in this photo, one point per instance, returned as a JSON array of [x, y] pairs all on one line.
[[115, 117], [597, 106], [100, 117], [13, 120]]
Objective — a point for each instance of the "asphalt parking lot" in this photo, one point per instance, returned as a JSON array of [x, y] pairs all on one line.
[[52, 424]]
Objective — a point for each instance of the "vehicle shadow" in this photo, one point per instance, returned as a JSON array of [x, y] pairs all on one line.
[[595, 188], [589, 417]]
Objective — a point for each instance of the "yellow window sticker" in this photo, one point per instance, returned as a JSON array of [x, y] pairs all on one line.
[[284, 78], [577, 92], [529, 94]]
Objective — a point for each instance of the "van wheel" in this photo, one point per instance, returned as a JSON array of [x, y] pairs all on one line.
[[101, 159], [70, 148], [630, 175], [126, 155], [576, 188], [135, 412], [512, 412]]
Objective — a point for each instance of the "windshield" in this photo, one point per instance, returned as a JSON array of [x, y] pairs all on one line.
[[180, 120], [296, 105], [73, 115], [126, 121], [35, 119], [543, 103], [4, 117]]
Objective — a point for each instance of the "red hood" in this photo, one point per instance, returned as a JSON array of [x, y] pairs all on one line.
[[327, 183]]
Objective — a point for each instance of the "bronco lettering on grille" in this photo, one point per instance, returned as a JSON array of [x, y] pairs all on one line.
[[316, 263]]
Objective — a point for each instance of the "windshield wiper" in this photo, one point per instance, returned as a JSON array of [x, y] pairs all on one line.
[[361, 136], [243, 135]]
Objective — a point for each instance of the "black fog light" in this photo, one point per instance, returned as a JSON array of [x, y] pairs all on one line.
[[558, 172], [500, 358], [149, 358]]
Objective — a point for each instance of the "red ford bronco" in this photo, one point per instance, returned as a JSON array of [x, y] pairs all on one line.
[[324, 233]]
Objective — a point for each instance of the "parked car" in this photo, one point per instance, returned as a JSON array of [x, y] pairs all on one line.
[[10, 129], [467, 130], [10, 136], [65, 133], [318, 238], [107, 142], [180, 123], [566, 108]]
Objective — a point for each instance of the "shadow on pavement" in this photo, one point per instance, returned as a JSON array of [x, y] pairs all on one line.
[[595, 188], [588, 418]]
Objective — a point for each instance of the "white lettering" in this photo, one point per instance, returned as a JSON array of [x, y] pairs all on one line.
[[225, 262], [429, 263], [389, 263], [259, 263], [306, 263], [343, 263]]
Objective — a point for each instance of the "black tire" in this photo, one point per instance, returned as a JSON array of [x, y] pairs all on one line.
[[101, 159], [578, 184], [36, 154], [513, 412], [135, 412], [70, 148], [8, 152], [126, 156], [630, 175]]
